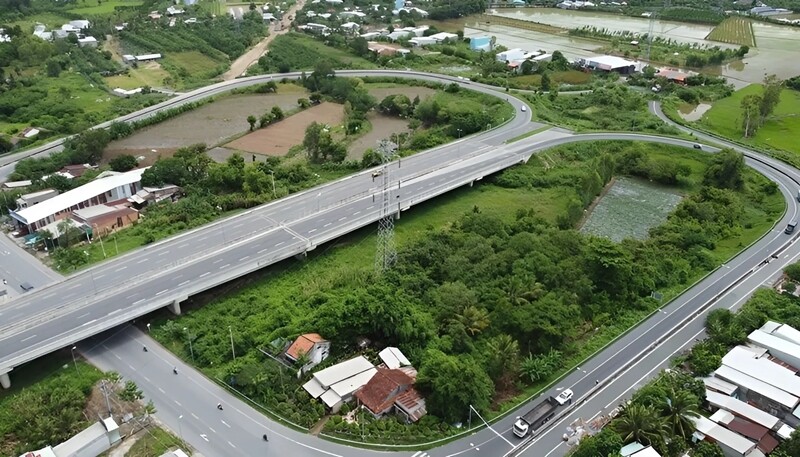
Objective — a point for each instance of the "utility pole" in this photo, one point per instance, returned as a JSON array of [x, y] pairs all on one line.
[[105, 394], [233, 351]]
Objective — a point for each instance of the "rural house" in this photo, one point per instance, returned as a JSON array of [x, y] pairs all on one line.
[[336, 385], [380, 395], [313, 346]]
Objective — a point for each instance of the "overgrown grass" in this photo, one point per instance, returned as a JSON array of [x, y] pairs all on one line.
[[295, 51], [734, 30], [138, 77], [193, 61], [569, 77], [780, 131]]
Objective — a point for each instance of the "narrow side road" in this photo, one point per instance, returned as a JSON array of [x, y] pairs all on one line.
[[240, 65]]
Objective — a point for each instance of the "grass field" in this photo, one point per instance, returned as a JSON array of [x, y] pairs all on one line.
[[90, 7], [192, 61], [152, 75], [779, 132], [734, 30], [51, 20]]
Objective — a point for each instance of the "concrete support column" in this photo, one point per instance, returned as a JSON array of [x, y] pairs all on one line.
[[175, 307], [5, 380]]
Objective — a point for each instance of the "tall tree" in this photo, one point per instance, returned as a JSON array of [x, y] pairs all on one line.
[[640, 423], [726, 170], [770, 98], [679, 408], [751, 110], [453, 383]]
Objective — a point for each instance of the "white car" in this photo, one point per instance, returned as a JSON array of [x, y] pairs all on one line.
[[564, 396]]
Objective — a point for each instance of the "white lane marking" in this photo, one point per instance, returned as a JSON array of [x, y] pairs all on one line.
[[161, 292], [356, 213], [147, 379], [184, 283], [262, 251], [217, 261], [163, 253], [98, 276], [120, 269], [370, 207], [212, 429], [226, 424], [205, 274], [224, 266], [49, 295], [83, 315], [278, 244], [203, 436], [201, 239], [195, 416], [118, 357], [130, 296], [232, 445], [28, 338], [312, 230], [89, 323], [115, 311], [326, 225], [75, 286], [161, 390], [342, 218], [178, 403], [138, 301], [244, 258], [182, 245], [142, 261]]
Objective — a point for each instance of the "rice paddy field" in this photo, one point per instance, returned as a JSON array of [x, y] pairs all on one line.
[[734, 30]]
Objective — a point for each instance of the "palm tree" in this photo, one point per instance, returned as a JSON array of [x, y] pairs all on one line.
[[678, 409], [474, 319], [640, 423], [503, 356]]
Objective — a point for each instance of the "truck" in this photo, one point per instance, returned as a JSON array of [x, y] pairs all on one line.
[[535, 418]]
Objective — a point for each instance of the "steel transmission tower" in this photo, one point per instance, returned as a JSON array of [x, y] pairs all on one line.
[[386, 254], [653, 17]]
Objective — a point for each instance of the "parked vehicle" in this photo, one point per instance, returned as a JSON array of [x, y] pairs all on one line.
[[535, 418]]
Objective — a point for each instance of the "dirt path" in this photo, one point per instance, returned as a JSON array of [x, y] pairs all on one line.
[[240, 65]]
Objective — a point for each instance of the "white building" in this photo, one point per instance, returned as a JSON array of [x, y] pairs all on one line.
[[779, 347], [88, 41], [443, 36], [312, 346], [81, 24], [393, 358], [337, 384], [783, 331], [422, 41], [732, 444], [510, 55], [104, 190], [754, 362], [147, 57], [749, 412], [777, 398]]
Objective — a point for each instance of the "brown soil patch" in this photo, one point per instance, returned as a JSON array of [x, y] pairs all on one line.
[[277, 139], [128, 414], [382, 128]]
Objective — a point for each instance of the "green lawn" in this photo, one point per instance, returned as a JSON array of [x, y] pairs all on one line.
[[779, 132], [138, 77], [192, 61], [89, 7]]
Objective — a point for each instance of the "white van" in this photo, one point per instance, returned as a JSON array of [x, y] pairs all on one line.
[[524, 108]]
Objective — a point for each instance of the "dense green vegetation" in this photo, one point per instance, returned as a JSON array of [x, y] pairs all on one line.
[[49, 409], [486, 292], [698, 88], [294, 51], [591, 111]]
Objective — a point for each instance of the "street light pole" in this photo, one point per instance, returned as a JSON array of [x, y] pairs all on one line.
[[73, 358], [102, 247], [189, 337], [272, 174], [180, 428], [233, 351]]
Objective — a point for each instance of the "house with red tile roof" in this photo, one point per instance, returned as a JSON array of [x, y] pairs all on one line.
[[313, 346], [381, 394]]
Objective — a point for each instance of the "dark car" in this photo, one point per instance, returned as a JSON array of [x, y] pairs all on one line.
[[697, 146]]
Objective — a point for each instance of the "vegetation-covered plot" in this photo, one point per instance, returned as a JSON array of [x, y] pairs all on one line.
[[485, 277], [629, 209], [107, 7], [734, 30], [780, 131]]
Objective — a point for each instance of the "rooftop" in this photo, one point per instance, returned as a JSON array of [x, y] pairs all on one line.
[[742, 409], [393, 357], [756, 385], [98, 210], [380, 392], [722, 435], [303, 344], [783, 331], [75, 196], [331, 375], [745, 360], [609, 62]]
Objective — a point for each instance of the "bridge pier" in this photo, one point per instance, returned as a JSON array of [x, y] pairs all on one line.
[[175, 306], [5, 380]]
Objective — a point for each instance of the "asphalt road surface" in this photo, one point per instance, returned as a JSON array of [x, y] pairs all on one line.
[[334, 201]]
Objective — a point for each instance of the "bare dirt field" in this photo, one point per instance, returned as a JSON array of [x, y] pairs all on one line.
[[209, 124], [276, 139], [382, 127]]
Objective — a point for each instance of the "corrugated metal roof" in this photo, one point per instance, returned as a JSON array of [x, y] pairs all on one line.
[[762, 388], [393, 357], [73, 197], [763, 369], [730, 439], [741, 408], [776, 344], [719, 385], [341, 371]]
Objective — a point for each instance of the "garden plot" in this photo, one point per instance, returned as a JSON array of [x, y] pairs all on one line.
[[629, 209], [278, 138]]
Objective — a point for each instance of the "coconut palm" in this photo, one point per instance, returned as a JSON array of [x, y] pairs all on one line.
[[474, 319], [503, 356], [640, 423], [678, 409]]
